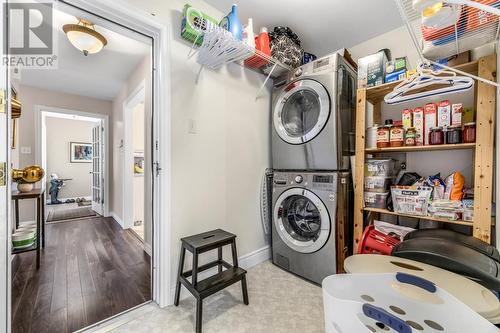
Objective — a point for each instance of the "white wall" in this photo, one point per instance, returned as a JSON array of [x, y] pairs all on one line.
[[60, 132], [216, 173], [29, 98]]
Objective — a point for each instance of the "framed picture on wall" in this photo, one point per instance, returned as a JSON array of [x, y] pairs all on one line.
[[80, 152]]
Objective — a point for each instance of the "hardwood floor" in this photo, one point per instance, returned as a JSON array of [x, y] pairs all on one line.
[[89, 270]]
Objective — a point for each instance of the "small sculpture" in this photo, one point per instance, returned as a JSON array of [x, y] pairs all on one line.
[[55, 185]]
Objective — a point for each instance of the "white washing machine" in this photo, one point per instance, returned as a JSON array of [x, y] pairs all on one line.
[[314, 116], [307, 210]]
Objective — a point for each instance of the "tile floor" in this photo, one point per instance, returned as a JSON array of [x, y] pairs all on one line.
[[279, 302]]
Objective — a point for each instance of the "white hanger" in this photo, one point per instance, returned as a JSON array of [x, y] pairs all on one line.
[[426, 77]]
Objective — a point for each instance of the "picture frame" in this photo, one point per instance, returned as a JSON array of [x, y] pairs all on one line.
[[80, 152]]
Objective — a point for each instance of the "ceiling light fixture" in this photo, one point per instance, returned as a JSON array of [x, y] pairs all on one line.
[[84, 37]]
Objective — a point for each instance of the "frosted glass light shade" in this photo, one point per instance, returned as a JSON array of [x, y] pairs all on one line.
[[85, 38]]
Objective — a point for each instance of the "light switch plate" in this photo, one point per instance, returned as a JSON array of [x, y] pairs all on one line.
[[26, 150], [192, 128]]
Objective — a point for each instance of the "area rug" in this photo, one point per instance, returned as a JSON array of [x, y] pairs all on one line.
[[70, 214]]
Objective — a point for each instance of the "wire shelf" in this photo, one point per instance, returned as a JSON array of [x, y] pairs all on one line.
[[471, 28], [220, 47]]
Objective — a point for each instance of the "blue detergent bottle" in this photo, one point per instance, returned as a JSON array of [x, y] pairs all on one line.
[[232, 23]]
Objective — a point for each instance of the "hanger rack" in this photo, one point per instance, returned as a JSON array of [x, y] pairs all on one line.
[[426, 83]]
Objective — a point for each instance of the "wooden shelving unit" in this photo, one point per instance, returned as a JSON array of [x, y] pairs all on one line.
[[421, 148], [429, 218], [485, 97]]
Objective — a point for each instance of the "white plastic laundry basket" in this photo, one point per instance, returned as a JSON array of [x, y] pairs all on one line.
[[404, 303]]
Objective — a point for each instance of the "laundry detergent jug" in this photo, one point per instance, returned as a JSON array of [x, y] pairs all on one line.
[[232, 23]]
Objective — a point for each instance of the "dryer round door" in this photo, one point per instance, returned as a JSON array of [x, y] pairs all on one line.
[[302, 111], [301, 220]]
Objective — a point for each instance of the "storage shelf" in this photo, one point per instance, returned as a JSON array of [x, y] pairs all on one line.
[[220, 47], [377, 93], [458, 146], [430, 218]]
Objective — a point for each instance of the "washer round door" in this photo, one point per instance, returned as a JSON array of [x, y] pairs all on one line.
[[301, 220], [302, 111]]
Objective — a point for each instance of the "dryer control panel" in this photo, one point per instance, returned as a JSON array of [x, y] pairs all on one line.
[[326, 181]]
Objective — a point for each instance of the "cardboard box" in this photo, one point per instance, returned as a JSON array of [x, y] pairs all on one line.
[[444, 114], [396, 65], [468, 115], [407, 117], [395, 76], [371, 70], [456, 114], [410, 73], [418, 123], [430, 120], [459, 59]]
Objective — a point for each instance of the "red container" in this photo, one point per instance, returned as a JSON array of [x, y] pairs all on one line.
[[262, 45], [375, 242]]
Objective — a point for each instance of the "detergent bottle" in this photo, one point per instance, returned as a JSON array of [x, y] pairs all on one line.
[[232, 23], [248, 35], [262, 42]]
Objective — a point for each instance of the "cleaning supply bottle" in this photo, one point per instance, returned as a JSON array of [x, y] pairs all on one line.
[[232, 23], [262, 42], [248, 35]]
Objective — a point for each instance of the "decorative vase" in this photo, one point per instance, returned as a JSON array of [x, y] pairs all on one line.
[[26, 187]]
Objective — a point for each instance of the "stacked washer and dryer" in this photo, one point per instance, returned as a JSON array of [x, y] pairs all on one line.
[[313, 139]]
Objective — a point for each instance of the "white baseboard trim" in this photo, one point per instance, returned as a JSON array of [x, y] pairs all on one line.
[[256, 257], [246, 261], [117, 219]]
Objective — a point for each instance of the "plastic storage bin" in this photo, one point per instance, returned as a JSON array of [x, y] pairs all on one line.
[[376, 200], [378, 184], [380, 167], [403, 303], [411, 200]]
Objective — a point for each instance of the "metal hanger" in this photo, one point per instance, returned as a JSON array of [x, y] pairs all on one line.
[[425, 77]]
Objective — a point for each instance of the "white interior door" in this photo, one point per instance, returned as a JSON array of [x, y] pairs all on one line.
[[97, 170]]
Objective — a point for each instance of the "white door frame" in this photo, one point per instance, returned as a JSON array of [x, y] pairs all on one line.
[[41, 113], [138, 95], [160, 32], [143, 22]]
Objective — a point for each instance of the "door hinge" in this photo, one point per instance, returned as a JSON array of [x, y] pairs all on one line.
[[156, 145], [157, 168], [3, 177], [3, 101]]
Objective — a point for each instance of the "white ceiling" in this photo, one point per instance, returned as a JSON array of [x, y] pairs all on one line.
[[98, 75], [323, 26]]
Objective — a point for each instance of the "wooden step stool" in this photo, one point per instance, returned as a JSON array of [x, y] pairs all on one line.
[[207, 241]]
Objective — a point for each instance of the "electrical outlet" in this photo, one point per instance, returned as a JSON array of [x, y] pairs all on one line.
[[192, 128], [25, 150]]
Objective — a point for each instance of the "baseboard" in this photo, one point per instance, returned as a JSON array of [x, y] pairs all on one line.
[[246, 261], [117, 219], [256, 257]]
